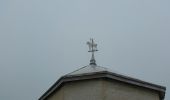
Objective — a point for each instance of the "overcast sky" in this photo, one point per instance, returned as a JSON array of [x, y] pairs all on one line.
[[41, 40]]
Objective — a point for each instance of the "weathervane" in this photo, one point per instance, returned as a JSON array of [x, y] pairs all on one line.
[[92, 49]]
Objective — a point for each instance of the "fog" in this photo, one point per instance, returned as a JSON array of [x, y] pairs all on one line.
[[41, 40]]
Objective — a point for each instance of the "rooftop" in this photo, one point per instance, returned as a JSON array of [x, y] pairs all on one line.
[[96, 72], [88, 69], [93, 71]]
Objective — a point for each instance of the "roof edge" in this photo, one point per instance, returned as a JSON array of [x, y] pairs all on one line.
[[104, 74]]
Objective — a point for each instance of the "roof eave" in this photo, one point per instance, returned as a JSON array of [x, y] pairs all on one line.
[[104, 74]]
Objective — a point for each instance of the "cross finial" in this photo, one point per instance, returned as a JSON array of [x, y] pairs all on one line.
[[92, 49]]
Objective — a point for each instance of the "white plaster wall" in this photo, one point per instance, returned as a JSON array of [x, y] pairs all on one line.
[[80, 90], [113, 90], [58, 95], [102, 90], [83, 90]]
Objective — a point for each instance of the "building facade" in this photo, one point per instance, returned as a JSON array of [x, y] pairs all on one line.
[[93, 82]]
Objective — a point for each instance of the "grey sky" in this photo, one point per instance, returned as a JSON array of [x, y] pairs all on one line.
[[40, 40]]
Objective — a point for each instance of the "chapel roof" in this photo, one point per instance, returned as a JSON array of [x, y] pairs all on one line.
[[88, 69], [93, 71], [98, 72]]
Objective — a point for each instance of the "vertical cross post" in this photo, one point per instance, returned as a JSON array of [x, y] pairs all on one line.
[[92, 49]]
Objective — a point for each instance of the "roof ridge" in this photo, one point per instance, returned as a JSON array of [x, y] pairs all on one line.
[[88, 69], [76, 70]]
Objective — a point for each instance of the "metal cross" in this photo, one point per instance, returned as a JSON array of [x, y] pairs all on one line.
[[92, 49]]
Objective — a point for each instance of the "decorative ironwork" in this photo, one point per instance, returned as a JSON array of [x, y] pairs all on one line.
[[92, 49]]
